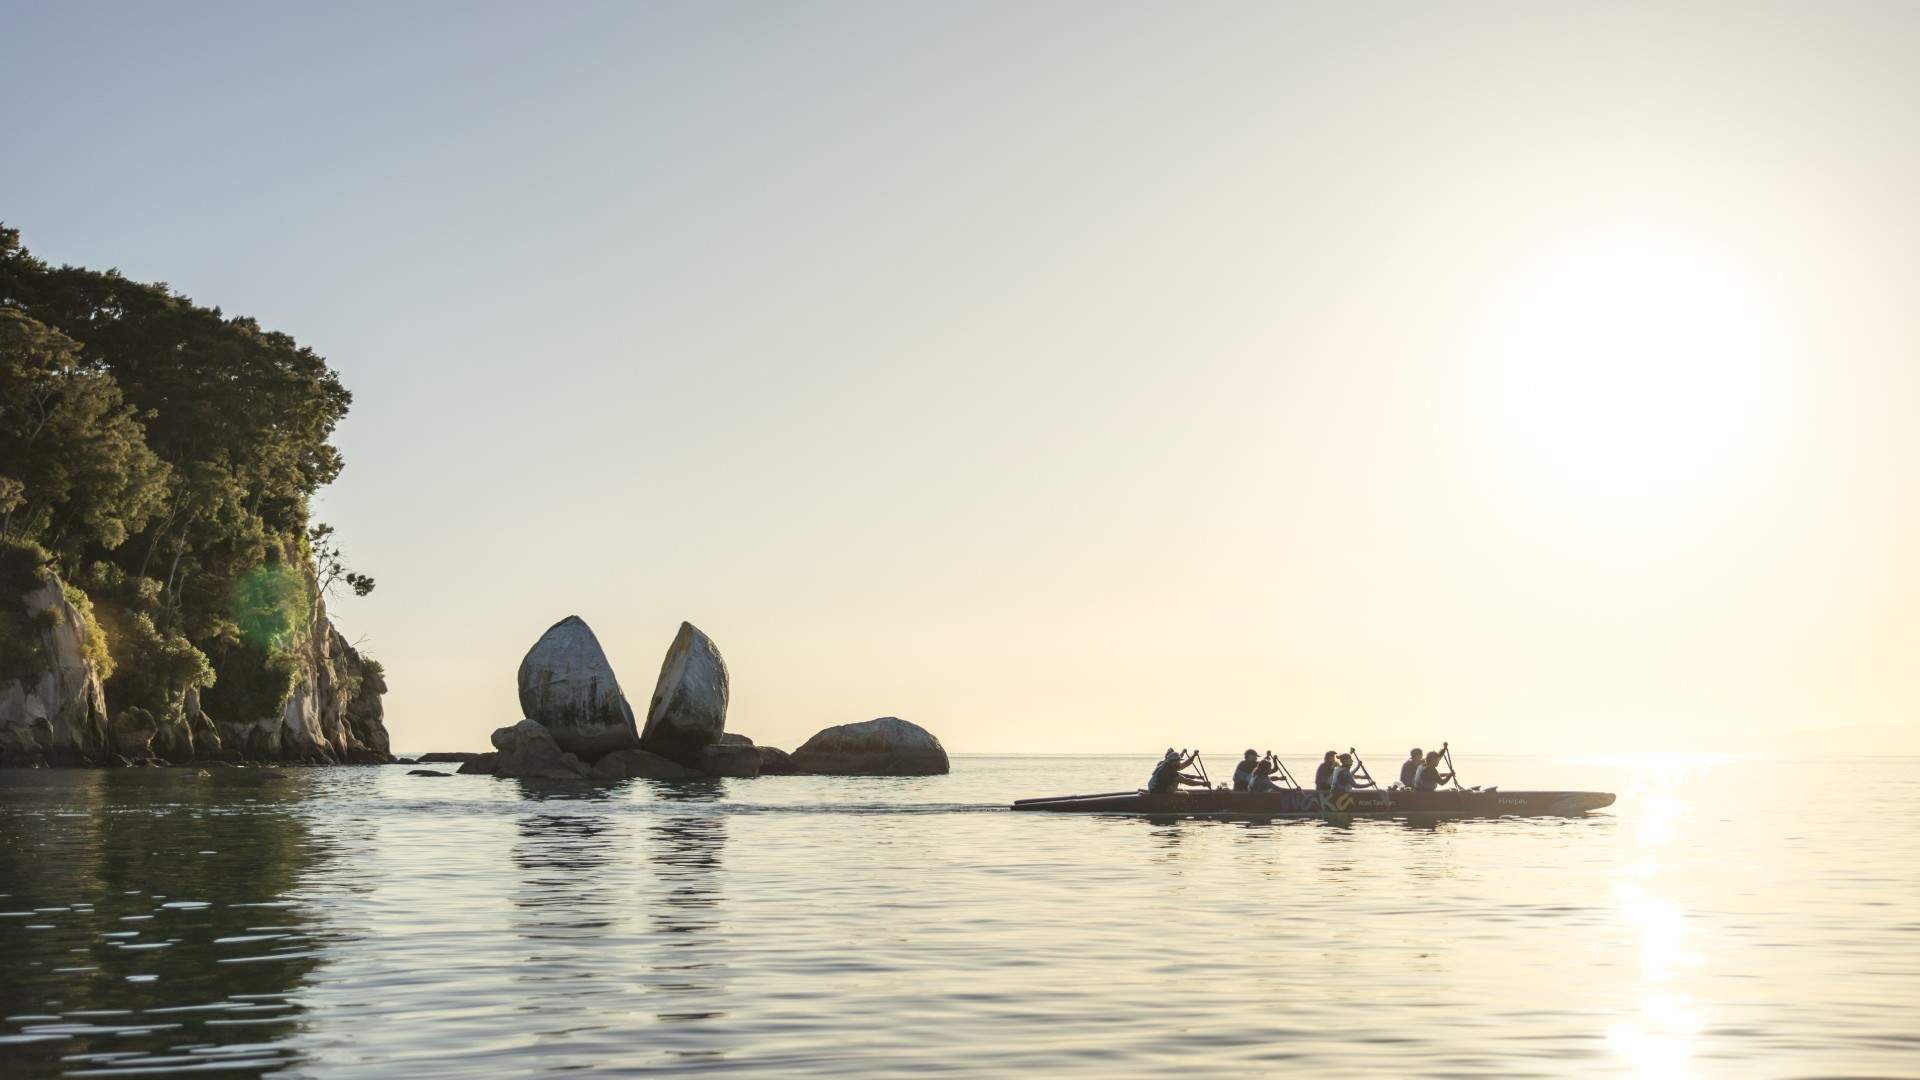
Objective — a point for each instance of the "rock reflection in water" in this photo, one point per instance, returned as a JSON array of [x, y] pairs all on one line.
[[621, 919], [689, 973]]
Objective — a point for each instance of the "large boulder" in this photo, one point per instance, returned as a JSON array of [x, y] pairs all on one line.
[[888, 746], [481, 764], [640, 764], [730, 759], [133, 731], [567, 686], [529, 750], [689, 710]]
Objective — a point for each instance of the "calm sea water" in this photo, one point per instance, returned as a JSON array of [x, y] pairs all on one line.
[[1730, 918]]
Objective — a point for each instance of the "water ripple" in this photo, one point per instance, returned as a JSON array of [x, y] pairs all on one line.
[[347, 923]]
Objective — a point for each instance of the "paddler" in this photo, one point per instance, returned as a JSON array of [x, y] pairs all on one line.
[[1430, 777], [1243, 772], [1410, 768], [1343, 778], [1323, 776], [1167, 776], [1262, 780]]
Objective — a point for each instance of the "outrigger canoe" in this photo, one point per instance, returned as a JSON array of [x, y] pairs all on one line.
[[1370, 802]]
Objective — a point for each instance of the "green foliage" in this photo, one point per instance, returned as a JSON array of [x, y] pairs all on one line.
[[329, 566], [152, 668], [163, 454], [80, 472], [253, 683], [20, 634], [22, 568]]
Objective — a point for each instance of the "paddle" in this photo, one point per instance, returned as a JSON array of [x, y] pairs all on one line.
[[1362, 766], [1284, 771], [1453, 771], [1203, 769]]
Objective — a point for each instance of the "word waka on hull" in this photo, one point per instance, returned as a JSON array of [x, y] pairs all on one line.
[[1300, 803]]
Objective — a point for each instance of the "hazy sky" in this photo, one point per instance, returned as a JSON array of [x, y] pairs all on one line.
[[1069, 376]]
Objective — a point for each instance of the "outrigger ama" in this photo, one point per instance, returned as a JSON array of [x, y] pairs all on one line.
[[1356, 798]]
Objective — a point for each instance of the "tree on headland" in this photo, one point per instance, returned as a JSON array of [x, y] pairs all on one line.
[[330, 568], [161, 455], [75, 469]]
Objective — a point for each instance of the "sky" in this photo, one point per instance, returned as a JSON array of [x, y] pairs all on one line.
[[1069, 376]]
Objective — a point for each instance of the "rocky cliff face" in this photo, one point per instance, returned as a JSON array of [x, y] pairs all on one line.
[[333, 717], [57, 712], [54, 712]]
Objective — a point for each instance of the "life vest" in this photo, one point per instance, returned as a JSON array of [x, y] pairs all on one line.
[[1165, 778], [1243, 775]]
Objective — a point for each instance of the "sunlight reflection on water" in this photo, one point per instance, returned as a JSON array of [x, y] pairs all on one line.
[[361, 923], [1658, 1041]]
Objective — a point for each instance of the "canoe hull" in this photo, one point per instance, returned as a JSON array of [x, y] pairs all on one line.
[[1373, 803]]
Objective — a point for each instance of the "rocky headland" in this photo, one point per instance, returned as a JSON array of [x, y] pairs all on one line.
[[59, 708], [162, 580], [578, 725]]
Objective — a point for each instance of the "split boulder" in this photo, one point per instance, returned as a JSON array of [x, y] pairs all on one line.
[[689, 710], [567, 686]]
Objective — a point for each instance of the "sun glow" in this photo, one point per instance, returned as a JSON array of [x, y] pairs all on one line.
[[1631, 379]]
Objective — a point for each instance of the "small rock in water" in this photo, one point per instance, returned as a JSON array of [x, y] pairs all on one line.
[[775, 761], [426, 772], [640, 764], [480, 765], [723, 759], [528, 750]]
